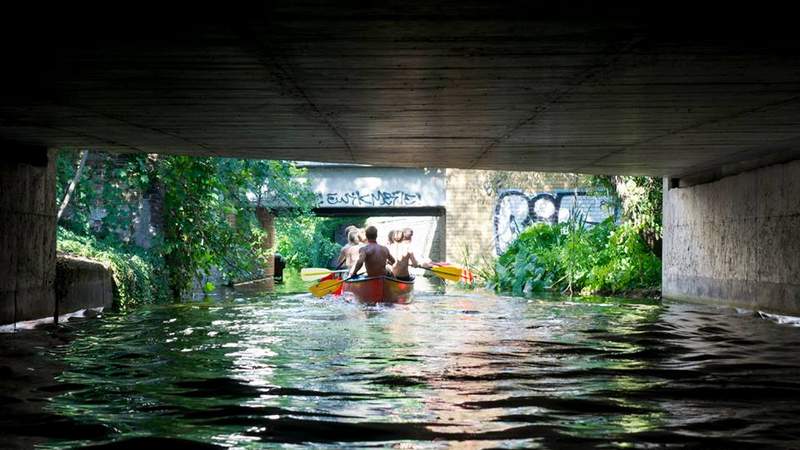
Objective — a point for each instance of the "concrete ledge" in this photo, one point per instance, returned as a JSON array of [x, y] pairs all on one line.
[[782, 298], [260, 285], [82, 283]]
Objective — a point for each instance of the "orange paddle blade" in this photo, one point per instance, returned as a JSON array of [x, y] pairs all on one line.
[[325, 287]]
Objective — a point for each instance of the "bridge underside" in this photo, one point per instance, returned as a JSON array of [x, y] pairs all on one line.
[[581, 86], [691, 92]]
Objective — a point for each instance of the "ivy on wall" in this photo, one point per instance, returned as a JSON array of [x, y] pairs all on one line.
[[106, 195]]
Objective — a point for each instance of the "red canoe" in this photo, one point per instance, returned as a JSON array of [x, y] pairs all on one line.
[[380, 290]]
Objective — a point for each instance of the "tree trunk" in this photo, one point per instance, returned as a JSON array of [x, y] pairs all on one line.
[[75, 179]]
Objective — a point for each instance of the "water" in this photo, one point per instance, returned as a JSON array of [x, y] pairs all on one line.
[[448, 371]]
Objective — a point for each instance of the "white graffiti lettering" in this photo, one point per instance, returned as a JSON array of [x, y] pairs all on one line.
[[515, 211], [366, 199]]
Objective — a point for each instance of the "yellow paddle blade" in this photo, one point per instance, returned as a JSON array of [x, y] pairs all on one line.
[[445, 275], [453, 273], [325, 287], [314, 273]]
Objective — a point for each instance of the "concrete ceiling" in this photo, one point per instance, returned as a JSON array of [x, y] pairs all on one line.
[[564, 86]]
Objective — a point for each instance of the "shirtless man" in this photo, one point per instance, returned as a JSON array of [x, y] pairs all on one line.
[[405, 257], [349, 253], [373, 255]]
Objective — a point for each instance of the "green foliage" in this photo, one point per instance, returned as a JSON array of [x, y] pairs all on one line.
[[641, 202], [573, 258], [208, 207], [193, 216], [138, 275], [625, 263], [103, 203], [308, 241]]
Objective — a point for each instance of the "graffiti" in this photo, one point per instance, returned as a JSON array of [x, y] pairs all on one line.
[[376, 198], [515, 211]]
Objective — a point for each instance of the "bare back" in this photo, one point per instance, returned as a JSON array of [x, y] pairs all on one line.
[[351, 257], [405, 257], [374, 257], [342, 260]]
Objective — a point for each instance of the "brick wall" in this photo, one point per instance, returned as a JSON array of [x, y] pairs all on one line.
[[471, 198]]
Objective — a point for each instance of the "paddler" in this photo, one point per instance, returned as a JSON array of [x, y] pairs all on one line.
[[373, 256]]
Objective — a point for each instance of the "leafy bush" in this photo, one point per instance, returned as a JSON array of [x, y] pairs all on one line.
[[208, 208], [138, 276], [640, 199], [104, 201], [306, 241], [573, 258], [209, 213], [625, 263]]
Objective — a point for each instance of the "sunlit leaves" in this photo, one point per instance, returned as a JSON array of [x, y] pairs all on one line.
[[573, 258], [208, 207]]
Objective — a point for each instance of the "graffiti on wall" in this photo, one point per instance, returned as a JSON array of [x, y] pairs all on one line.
[[366, 199], [515, 211]]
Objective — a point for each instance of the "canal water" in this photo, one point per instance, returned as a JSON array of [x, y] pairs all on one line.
[[456, 370]]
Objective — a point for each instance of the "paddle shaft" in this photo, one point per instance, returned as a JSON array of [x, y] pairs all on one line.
[[315, 273]]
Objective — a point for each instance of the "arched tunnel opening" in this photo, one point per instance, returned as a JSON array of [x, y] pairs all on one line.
[[608, 195]]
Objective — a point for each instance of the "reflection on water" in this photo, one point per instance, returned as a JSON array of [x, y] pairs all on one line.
[[464, 371]]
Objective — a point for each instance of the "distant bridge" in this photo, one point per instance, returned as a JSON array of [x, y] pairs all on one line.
[[392, 197]]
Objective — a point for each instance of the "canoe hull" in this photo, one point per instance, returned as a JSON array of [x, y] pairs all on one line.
[[380, 290]]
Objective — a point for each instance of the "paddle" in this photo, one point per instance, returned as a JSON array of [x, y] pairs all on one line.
[[326, 287], [452, 273], [316, 273]]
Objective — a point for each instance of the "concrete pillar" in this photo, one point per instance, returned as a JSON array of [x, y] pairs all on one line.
[[439, 246], [267, 221], [27, 233], [735, 241]]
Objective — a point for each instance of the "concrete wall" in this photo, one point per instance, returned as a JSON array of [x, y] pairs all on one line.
[[80, 284], [368, 187], [32, 284], [27, 233], [736, 241], [428, 239]]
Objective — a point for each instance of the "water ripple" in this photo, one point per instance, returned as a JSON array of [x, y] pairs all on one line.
[[447, 371]]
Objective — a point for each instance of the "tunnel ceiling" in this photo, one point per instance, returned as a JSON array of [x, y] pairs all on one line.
[[572, 86]]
